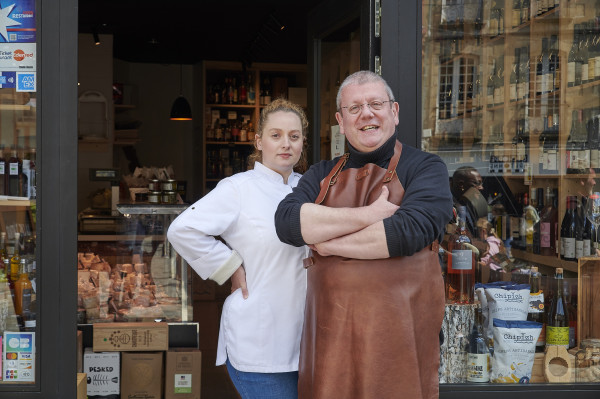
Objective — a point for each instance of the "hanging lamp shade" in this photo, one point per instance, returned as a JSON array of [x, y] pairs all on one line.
[[181, 111]]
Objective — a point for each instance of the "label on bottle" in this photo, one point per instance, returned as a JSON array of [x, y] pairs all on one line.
[[587, 247], [462, 259], [536, 302], [557, 336], [2, 165], [13, 169], [571, 73], [569, 247], [478, 367], [26, 300], [578, 249], [544, 235]]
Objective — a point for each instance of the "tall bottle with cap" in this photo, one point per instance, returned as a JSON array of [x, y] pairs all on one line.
[[461, 264], [557, 329]]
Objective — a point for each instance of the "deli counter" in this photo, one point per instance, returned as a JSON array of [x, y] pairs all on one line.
[[129, 272]]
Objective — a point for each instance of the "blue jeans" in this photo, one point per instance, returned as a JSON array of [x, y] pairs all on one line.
[[264, 385]]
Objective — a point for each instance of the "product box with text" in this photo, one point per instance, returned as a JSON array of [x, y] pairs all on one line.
[[182, 374]]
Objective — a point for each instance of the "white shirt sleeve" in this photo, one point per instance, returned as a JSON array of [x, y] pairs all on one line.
[[192, 233]]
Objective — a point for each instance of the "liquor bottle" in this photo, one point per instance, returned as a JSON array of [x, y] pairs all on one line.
[[251, 90], [567, 230], [15, 170], [537, 312], [583, 53], [586, 233], [15, 260], [557, 328], [530, 218], [23, 289], [579, 55], [461, 264], [267, 90], [3, 245], [9, 278], [548, 221], [553, 65], [578, 231], [478, 354], [571, 60], [243, 92], [536, 227], [572, 321]]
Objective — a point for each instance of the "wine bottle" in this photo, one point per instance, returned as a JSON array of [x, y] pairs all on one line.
[[537, 312], [578, 230], [548, 221], [557, 328], [15, 170], [571, 60], [530, 218], [461, 264], [478, 354], [567, 231], [586, 232], [572, 315]]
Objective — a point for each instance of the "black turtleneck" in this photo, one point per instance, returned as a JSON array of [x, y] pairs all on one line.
[[425, 210]]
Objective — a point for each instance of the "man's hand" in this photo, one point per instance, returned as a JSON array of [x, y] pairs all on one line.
[[382, 207], [238, 280]]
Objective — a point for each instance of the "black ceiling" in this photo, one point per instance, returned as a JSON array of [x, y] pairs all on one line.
[[187, 31]]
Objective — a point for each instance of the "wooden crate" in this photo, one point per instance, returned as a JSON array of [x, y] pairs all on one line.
[[130, 337], [588, 297], [81, 386]]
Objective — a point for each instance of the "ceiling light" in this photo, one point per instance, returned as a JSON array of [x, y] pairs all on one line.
[[96, 37], [181, 110]]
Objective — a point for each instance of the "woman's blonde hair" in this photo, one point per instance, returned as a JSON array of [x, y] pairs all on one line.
[[281, 104]]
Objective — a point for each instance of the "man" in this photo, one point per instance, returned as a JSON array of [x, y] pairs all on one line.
[[467, 185], [375, 299]]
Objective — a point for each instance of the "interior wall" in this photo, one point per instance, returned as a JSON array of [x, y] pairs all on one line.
[[94, 73], [152, 88]]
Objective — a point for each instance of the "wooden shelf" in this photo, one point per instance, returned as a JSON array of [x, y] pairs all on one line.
[[118, 237], [247, 106], [551, 261], [230, 143]]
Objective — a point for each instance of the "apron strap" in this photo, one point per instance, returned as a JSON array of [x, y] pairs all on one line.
[[391, 170], [331, 178]]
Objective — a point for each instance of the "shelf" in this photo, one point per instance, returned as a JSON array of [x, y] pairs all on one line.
[[14, 107], [230, 143], [151, 209], [551, 261], [247, 106], [118, 237], [124, 106]]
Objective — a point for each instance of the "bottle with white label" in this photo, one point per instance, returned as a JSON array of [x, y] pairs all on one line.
[[461, 264], [478, 355]]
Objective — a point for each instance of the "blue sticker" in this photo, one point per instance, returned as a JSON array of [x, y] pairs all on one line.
[[8, 80], [17, 22], [25, 81]]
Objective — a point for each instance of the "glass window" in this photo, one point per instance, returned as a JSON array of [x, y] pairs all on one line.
[[510, 102], [18, 145]]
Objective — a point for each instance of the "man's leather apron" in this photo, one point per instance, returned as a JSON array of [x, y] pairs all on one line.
[[371, 327]]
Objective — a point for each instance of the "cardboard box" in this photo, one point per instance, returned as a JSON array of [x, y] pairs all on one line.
[[142, 375], [81, 386], [129, 337], [103, 372], [182, 374]]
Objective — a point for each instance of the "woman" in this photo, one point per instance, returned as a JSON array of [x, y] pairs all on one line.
[[261, 323]]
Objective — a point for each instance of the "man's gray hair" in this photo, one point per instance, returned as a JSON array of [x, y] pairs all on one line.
[[359, 78]]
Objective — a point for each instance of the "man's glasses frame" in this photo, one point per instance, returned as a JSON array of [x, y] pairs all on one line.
[[373, 105]]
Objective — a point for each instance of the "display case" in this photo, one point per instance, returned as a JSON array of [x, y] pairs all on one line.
[[134, 275]]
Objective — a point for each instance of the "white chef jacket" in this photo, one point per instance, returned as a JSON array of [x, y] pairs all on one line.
[[261, 333]]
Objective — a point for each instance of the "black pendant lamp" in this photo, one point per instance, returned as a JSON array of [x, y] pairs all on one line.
[[181, 111]]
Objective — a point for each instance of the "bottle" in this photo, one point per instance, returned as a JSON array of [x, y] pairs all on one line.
[[461, 264], [586, 233], [251, 91], [537, 311], [15, 260], [530, 218], [9, 278], [571, 60], [557, 328], [572, 315], [267, 88], [15, 171], [548, 222], [578, 231], [23, 289], [539, 207], [478, 354], [3, 249], [567, 231]]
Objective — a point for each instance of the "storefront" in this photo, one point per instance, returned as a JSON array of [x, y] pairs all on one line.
[[507, 88]]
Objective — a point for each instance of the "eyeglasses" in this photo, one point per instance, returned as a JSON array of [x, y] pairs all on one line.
[[373, 105]]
